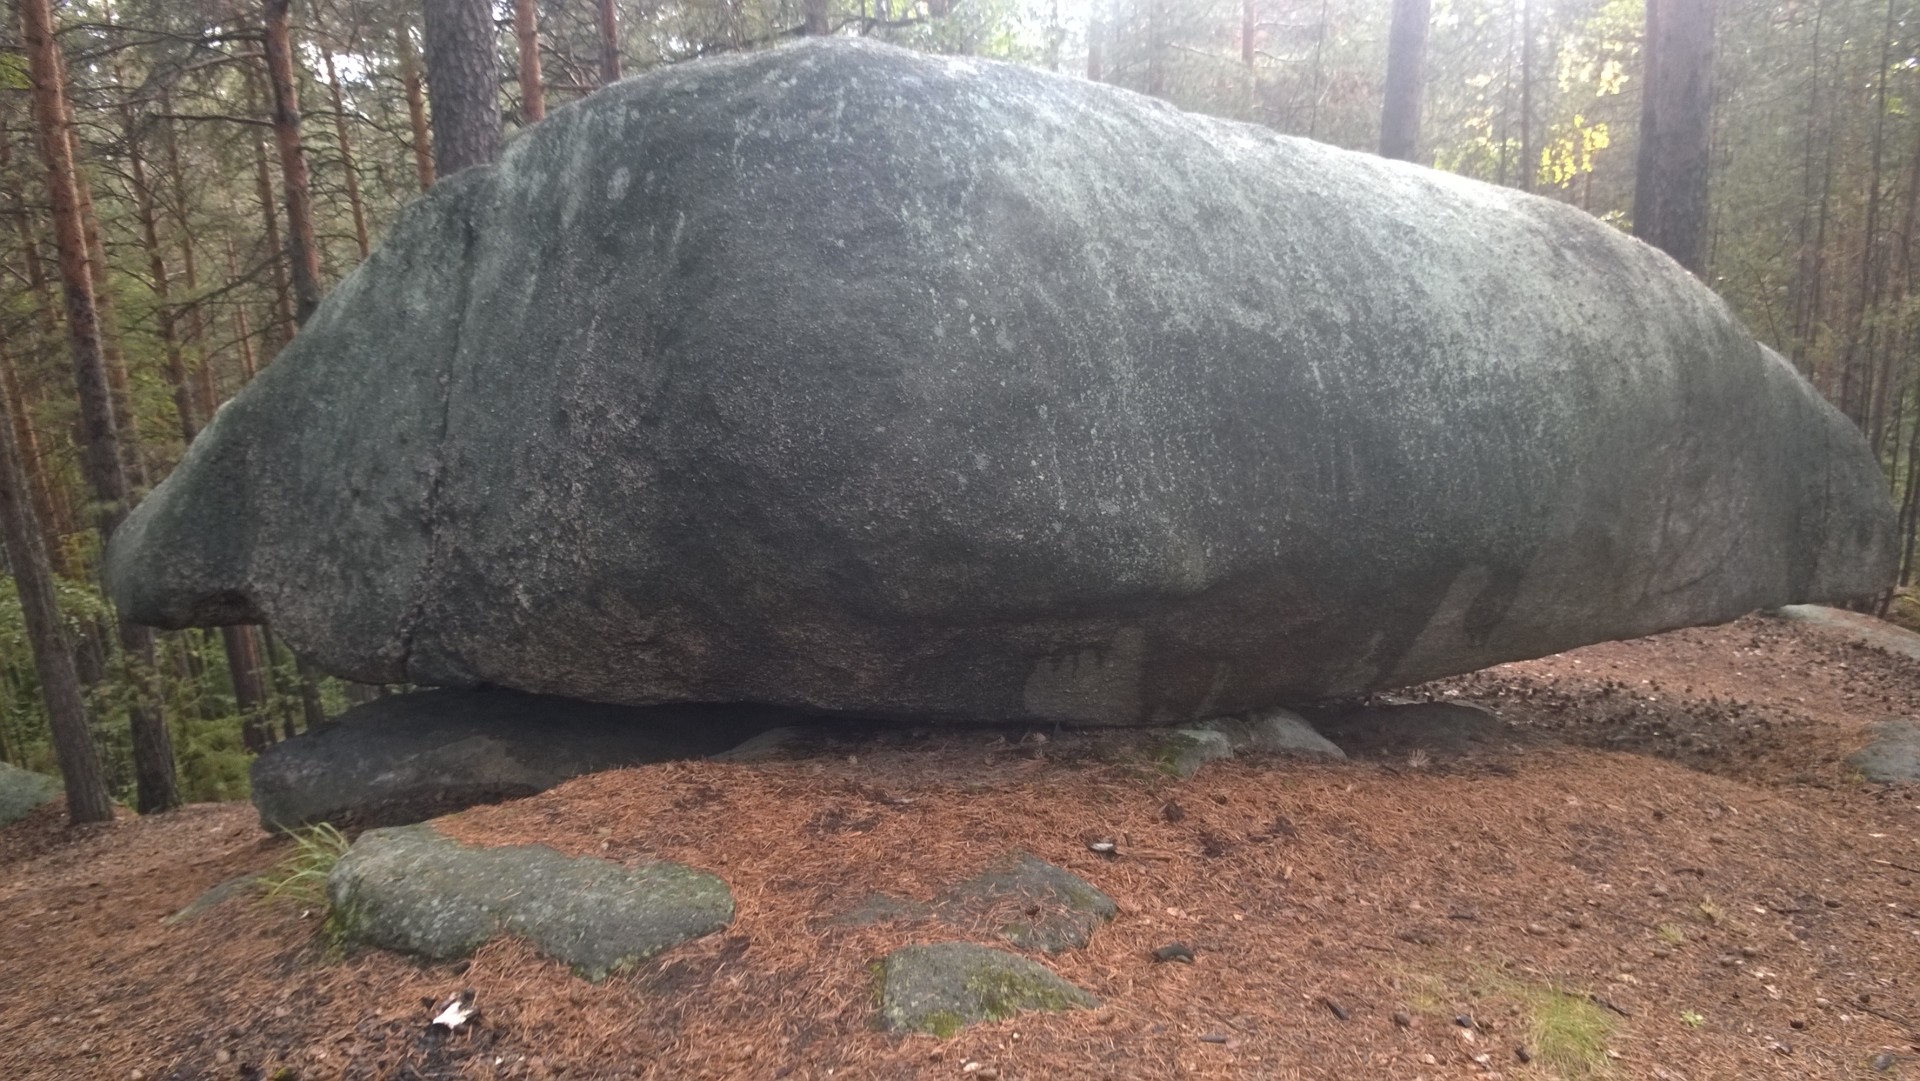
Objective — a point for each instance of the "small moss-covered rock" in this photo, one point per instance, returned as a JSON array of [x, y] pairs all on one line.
[[23, 790], [414, 890], [942, 988], [1182, 751], [1039, 906]]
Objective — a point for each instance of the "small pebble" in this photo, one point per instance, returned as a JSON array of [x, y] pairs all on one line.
[[1798, 1022], [1537, 929], [1403, 1019], [1525, 1056], [1174, 951], [222, 1057], [1749, 952], [1659, 891]]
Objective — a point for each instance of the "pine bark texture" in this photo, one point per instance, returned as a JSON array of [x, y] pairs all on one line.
[[303, 253], [416, 108], [1670, 181], [526, 30], [461, 77]]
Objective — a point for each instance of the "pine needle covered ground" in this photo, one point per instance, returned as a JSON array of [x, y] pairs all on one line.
[[1671, 879]]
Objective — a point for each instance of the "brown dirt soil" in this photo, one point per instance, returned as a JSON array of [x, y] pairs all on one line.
[[1671, 833]]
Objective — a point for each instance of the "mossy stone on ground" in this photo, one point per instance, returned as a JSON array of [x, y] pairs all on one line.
[[942, 988], [1894, 755], [23, 790], [414, 890], [1048, 908], [1182, 751]]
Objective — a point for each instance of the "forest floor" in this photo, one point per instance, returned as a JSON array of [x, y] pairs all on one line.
[[1666, 870]]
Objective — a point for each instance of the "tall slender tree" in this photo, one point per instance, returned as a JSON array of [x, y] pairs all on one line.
[[1676, 127], [610, 37], [303, 254], [157, 785], [461, 73], [526, 31], [73, 745], [1406, 79]]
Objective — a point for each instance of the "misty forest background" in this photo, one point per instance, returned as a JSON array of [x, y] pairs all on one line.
[[225, 161]]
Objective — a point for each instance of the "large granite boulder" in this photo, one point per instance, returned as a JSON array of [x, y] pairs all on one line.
[[846, 377]]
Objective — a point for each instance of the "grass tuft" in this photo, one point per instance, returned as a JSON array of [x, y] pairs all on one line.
[[301, 877], [1569, 1034]]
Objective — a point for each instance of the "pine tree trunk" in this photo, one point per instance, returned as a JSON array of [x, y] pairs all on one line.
[[610, 37], [1670, 180], [143, 206], [206, 399], [283, 310], [416, 108], [347, 167], [249, 690], [1406, 80], [73, 747], [303, 250], [816, 13], [119, 382], [1529, 157], [152, 743], [460, 73], [1096, 42], [526, 30]]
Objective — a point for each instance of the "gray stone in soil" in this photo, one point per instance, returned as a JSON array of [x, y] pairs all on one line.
[[942, 988], [1859, 626], [237, 886], [414, 890], [1180, 418], [410, 757], [1894, 755], [1450, 728], [1031, 903], [23, 790], [771, 745], [882, 908]]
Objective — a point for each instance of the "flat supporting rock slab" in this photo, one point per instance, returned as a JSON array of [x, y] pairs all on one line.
[[1894, 755], [411, 757], [1857, 625], [943, 988], [417, 891]]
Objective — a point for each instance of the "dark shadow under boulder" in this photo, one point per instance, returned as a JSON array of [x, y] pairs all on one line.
[[411, 757]]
